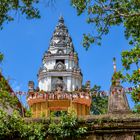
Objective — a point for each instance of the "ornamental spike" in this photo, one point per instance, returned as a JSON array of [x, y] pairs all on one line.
[[114, 65]]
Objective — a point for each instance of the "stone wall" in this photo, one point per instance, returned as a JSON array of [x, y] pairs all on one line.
[[109, 127], [113, 127]]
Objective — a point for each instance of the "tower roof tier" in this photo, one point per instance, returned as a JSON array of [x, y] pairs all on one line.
[[61, 40]]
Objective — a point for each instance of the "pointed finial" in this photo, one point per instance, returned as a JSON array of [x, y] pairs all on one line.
[[61, 19], [114, 65]]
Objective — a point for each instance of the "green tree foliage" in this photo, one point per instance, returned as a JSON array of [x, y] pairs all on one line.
[[14, 127], [8, 8], [66, 127], [99, 101], [136, 108], [104, 14], [131, 59], [1, 57]]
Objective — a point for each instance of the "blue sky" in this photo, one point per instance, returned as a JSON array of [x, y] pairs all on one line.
[[23, 43]]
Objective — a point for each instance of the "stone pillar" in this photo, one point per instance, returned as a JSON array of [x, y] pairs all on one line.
[[49, 84], [69, 83], [73, 83]]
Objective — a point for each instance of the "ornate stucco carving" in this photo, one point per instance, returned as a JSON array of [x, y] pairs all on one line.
[[60, 66], [61, 37]]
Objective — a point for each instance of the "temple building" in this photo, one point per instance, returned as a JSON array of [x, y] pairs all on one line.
[[59, 79]]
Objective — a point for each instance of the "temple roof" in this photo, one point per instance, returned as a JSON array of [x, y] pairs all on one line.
[[61, 38]]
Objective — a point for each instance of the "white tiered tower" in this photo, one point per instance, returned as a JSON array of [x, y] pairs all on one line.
[[60, 63]]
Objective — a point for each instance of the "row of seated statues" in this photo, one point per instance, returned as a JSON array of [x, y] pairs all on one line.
[[59, 96]]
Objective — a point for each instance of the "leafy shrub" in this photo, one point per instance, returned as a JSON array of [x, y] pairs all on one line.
[[15, 127], [66, 127]]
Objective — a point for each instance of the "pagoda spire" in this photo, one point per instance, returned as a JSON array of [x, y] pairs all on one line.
[[60, 62], [114, 80], [117, 101], [61, 39]]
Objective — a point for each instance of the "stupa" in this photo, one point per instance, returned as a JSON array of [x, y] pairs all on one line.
[[59, 79], [117, 102]]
